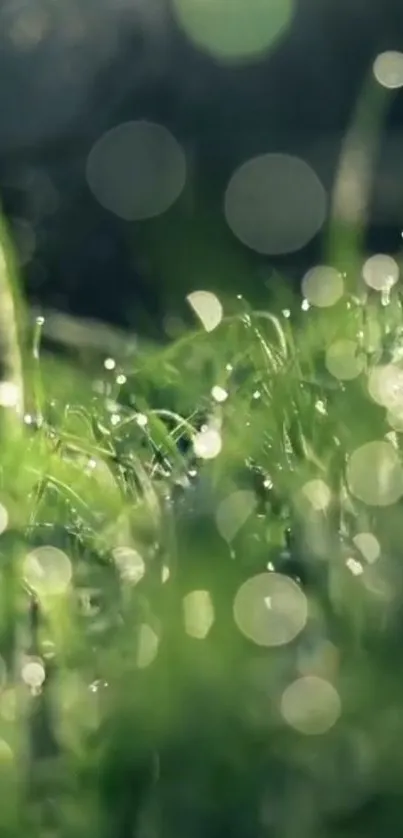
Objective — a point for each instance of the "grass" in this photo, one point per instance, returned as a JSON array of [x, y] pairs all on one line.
[[140, 729]]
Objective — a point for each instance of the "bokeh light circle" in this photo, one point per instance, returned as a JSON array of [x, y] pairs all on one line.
[[343, 360], [198, 614], [236, 29], [380, 272], [130, 564], [368, 546], [136, 170], [318, 494], [385, 386], [323, 286], [374, 474], [275, 204], [388, 69], [270, 609], [47, 570], [311, 705]]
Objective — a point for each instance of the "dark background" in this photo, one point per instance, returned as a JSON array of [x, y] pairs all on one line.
[[69, 73]]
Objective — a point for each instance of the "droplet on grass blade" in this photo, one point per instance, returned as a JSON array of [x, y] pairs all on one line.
[[380, 272], [33, 673], [207, 444], [207, 307]]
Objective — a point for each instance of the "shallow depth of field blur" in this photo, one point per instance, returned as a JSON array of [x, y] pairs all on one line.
[[201, 419]]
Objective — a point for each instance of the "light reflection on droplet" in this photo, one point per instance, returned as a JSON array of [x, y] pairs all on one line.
[[236, 30], [130, 564], [388, 69], [354, 566], [233, 512], [368, 546], [207, 307], [147, 646], [9, 394], [275, 625], [380, 272], [323, 286], [165, 574], [109, 363], [207, 444], [343, 360], [33, 673], [311, 705], [47, 570], [275, 204], [318, 494], [219, 394], [137, 170], [198, 614], [375, 475]]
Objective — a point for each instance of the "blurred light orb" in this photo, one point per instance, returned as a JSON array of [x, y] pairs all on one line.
[[318, 494], [385, 386], [233, 30], [219, 394], [368, 546], [374, 474], [380, 272], [9, 394], [129, 563], [270, 609], [207, 308], [343, 361], [198, 613], [147, 646], [33, 674], [323, 286], [3, 518], [311, 705], [275, 204], [388, 69], [233, 512], [47, 570], [136, 170], [207, 444]]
